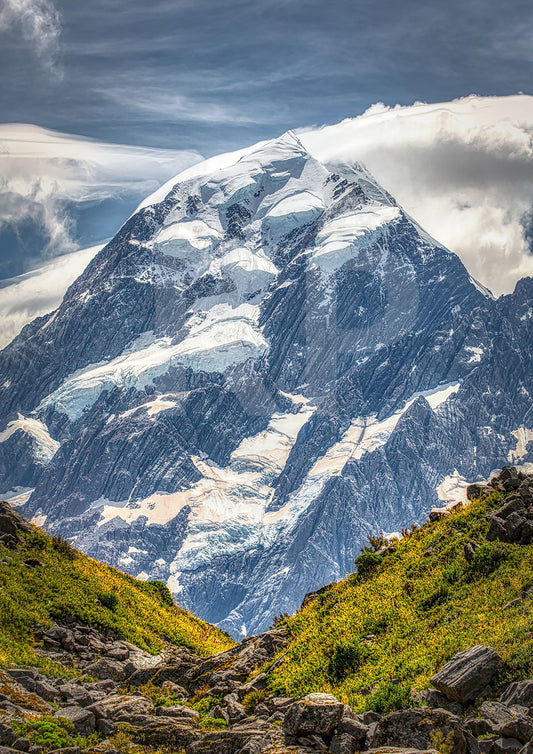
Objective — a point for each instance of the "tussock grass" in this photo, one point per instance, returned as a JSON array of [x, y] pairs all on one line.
[[376, 638], [69, 584]]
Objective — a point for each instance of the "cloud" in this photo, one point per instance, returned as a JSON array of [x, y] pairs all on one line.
[[38, 22], [38, 292], [45, 176], [462, 169]]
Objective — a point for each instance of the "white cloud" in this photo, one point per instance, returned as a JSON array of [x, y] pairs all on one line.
[[39, 291], [38, 22], [44, 173], [162, 103], [462, 169]]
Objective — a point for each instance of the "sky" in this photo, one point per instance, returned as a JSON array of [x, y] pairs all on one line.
[[149, 88]]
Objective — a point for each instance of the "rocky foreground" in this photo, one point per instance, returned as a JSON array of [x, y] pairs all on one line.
[[122, 699]]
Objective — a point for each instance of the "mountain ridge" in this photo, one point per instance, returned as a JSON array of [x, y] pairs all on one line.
[[261, 367]]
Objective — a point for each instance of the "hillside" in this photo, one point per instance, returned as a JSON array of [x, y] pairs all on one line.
[[44, 580], [375, 639], [406, 656]]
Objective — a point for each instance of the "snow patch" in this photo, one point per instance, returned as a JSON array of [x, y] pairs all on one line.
[[341, 238], [217, 339], [44, 446], [523, 437], [452, 489]]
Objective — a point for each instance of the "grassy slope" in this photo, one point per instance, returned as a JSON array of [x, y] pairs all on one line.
[[70, 583], [423, 605]]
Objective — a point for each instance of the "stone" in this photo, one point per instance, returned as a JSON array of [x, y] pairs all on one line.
[[105, 668], [474, 491], [121, 708], [83, 720], [505, 746], [417, 728], [506, 721], [46, 691], [315, 714], [468, 674], [73, 692], [22, 744], [519, 692], [435, 699], [162, 732], [180, 711], [7, 735]]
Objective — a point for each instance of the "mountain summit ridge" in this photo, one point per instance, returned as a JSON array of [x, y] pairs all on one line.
[[268, 361]]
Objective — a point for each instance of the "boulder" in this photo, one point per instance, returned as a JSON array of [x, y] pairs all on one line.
[[315, 714], [105, 668], [76, 694], [505, 746], [83, 720], [520, 692], [468, 675], [162, 732], [7, 735], [178, 711], [417, 729], [249, 740], [121, 708], [506, 722], [397, 750]]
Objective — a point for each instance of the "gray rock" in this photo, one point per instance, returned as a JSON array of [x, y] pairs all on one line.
[[121, 708], [75, 693], [22, 744], [416, 728], [505, 746], [520, 692], [82, 719], [180, 711], [315, 714], [468, 674], [7, 735], [106, 669]]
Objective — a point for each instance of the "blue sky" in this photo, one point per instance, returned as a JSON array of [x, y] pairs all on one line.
[[207, 76], [212, 75]]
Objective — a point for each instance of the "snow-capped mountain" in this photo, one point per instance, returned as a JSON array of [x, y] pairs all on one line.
[[268, 361]]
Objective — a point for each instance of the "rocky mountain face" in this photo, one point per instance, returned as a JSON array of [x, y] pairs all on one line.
[[269, 361]]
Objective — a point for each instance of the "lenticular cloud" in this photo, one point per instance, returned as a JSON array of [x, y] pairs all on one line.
[[463, 169]]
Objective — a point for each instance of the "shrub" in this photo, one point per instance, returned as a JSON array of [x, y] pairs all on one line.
[[253, 698], [63, 547], [204, 705], [37, 541], [49, 732], [488, 557], [212, 723], [437, 597], [367, 562], [346, 658], [108, 599], [443, 744], [390, 697], [163, 592]]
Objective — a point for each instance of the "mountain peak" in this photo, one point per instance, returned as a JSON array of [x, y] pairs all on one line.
[[237, 372]]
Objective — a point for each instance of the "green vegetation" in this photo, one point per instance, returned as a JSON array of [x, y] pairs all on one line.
[[52, 733], [253, 698], [61, 583], [376, 638]]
